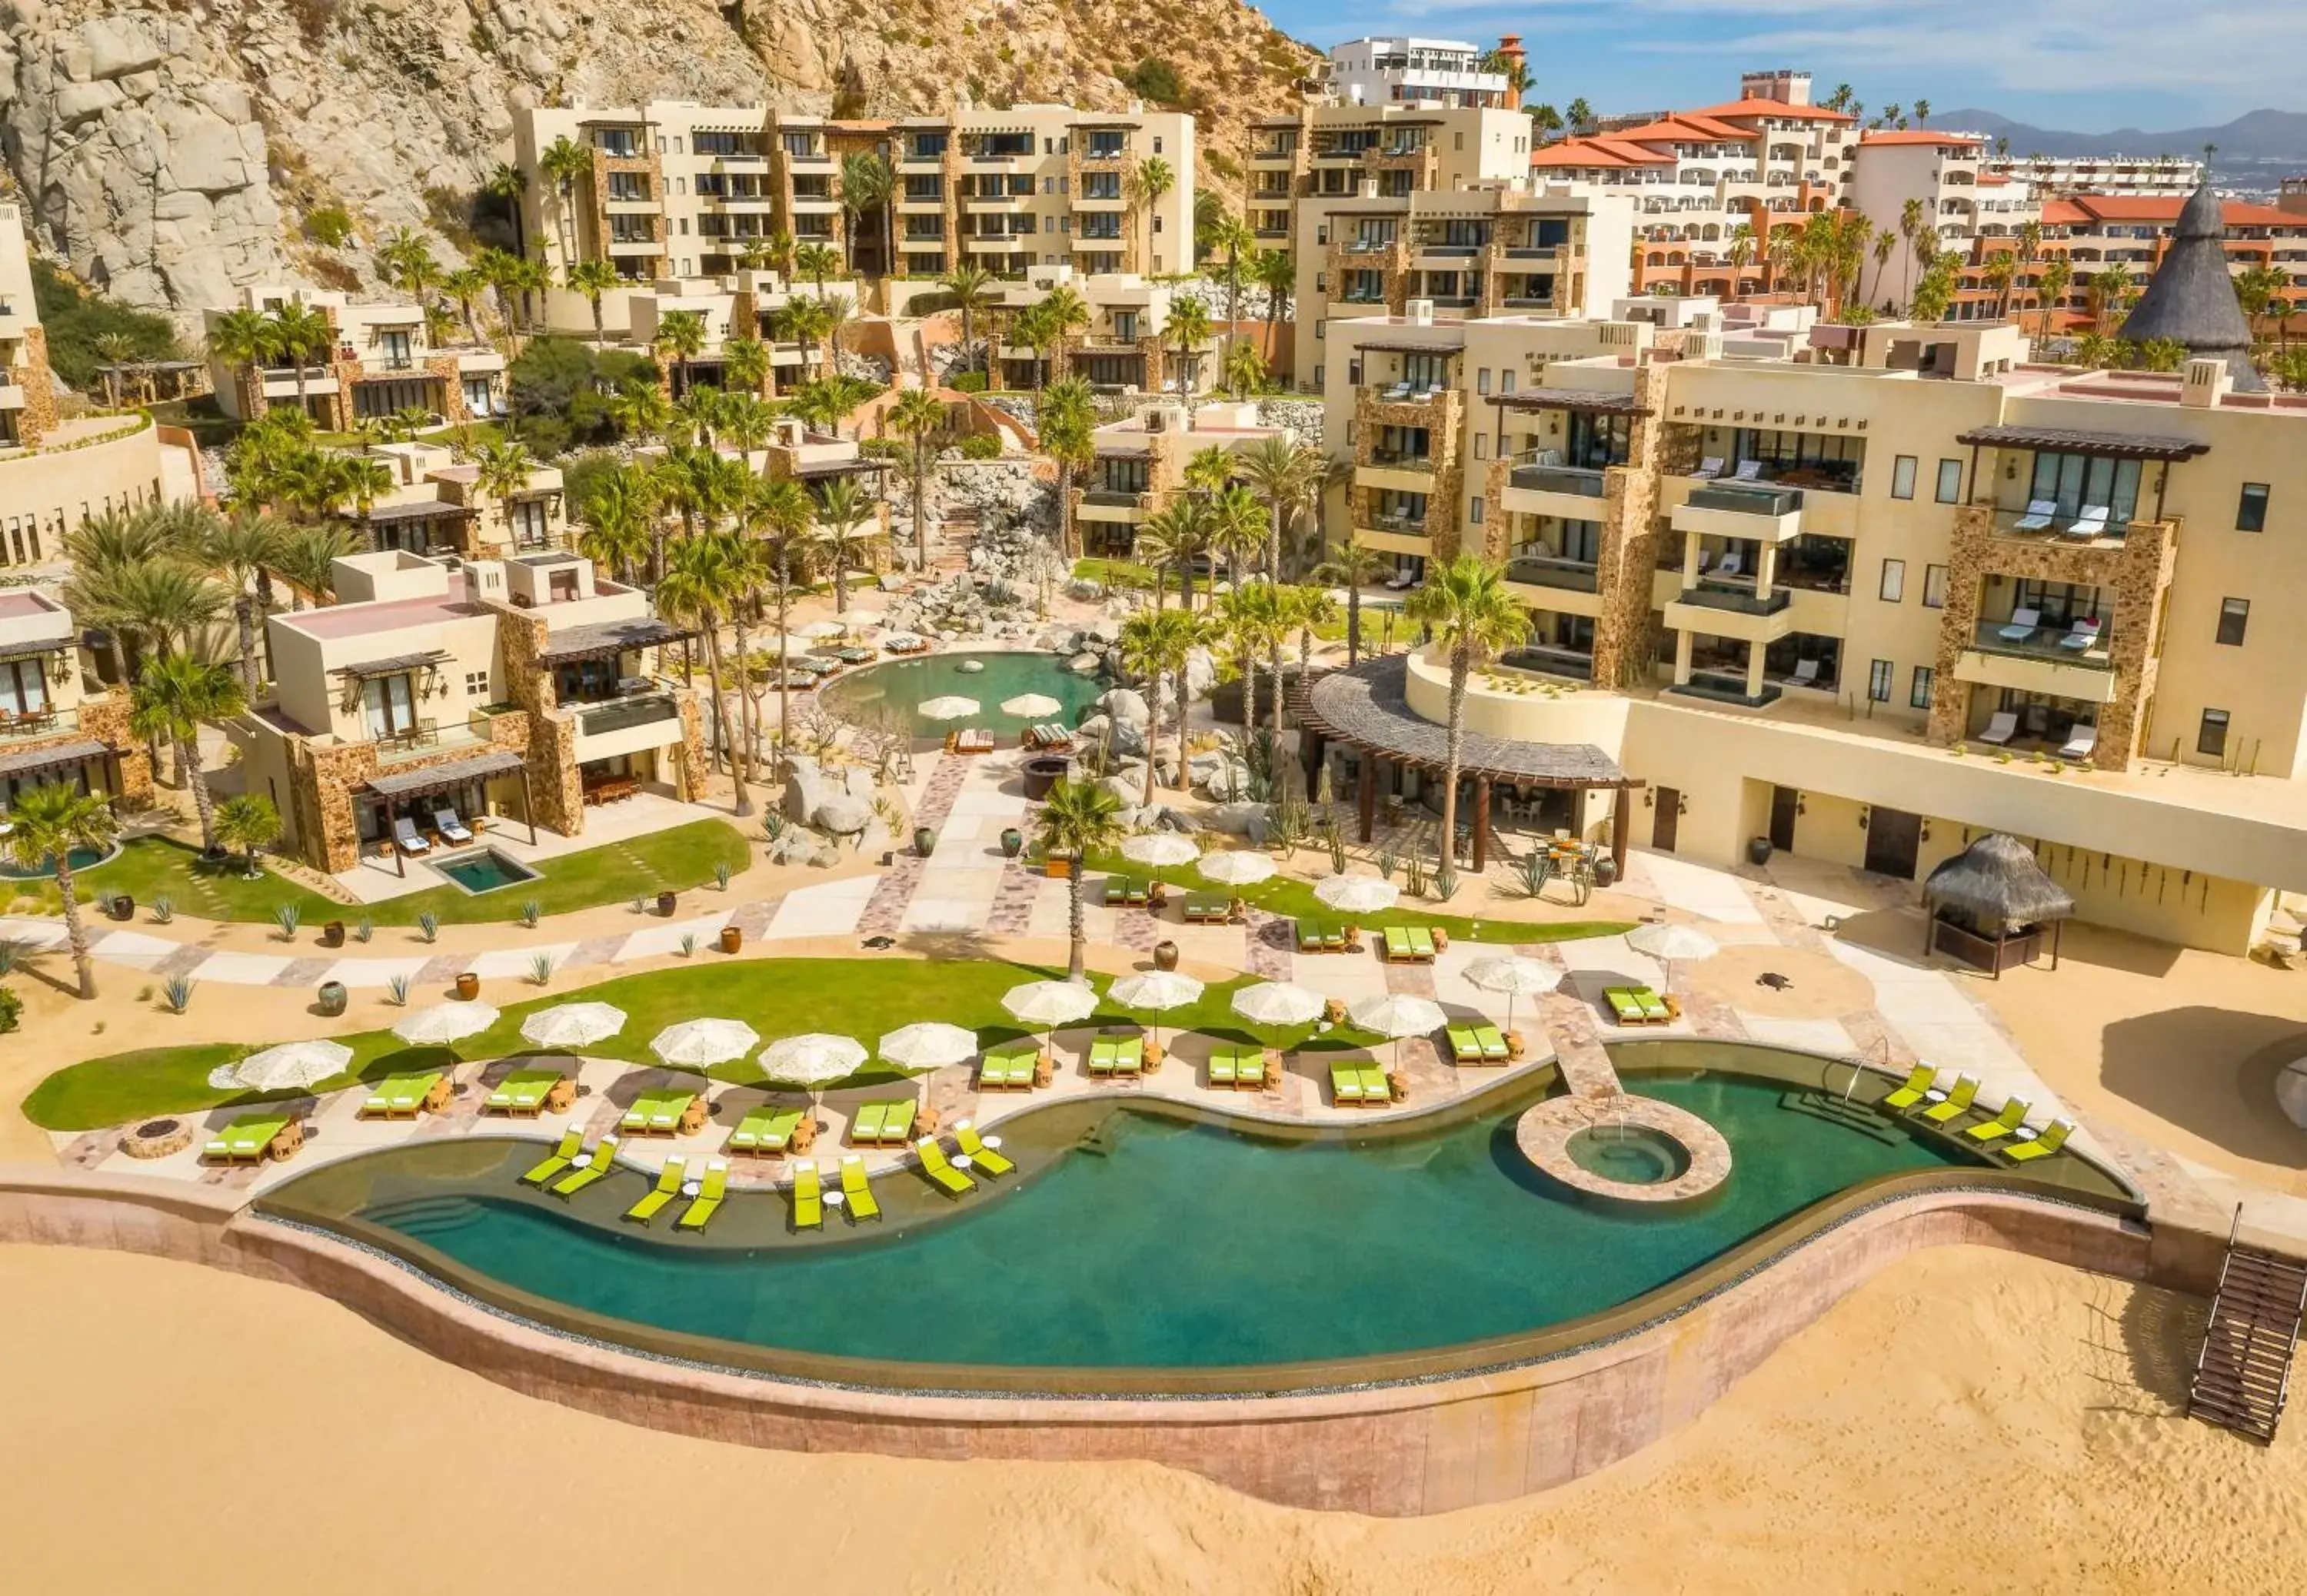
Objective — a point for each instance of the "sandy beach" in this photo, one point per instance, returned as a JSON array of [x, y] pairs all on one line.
[[175, 1429]]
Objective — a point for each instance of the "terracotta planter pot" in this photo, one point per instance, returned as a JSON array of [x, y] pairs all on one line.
[[1165, 955], [332, 934], [468, 986], [732, 939]]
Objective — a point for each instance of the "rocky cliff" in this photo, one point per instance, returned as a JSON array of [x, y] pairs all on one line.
[[168, 154]]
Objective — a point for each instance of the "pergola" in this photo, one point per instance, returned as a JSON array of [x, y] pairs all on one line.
[[1366, 708], [395, 785], [1994, 881]]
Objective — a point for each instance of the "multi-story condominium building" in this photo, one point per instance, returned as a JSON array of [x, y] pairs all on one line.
[[1330, 152], [51, 729], [1140, 466], [2096, 231], [438, 505], [384, 360], [744, 303], [28, 399], [1432, 72], [1971, 213], [522, 689], [678, 190], [1124, 348], [1497, 249], [2163, 176], [1870, 601]]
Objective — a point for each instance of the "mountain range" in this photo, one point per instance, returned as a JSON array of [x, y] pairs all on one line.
[[2253, 139]]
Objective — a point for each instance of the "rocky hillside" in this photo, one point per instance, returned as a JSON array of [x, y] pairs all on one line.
[[168, 153]]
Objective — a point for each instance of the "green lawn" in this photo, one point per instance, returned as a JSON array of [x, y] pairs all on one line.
[[865, 998], [1281, 895], [674, 860], [1114, 573]]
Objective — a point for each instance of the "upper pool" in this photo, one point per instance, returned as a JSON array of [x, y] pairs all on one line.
[[1133, 1241], [901, 687]]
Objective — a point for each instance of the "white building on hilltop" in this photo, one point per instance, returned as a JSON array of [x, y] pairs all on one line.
[[1406, 71]]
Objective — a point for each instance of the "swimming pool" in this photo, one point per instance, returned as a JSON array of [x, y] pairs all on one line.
[[484, 870], [899, 687], [82, 858], [1133, 1241]]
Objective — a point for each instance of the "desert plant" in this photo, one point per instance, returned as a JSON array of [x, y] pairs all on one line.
[[1445, 884], [1413, 877], [178, 993], [164, 909], [540, 969], [1536, 870], [429, 925], [11, 1009], [721, 875], [1387, 863], [1337, 838], [772, 825], [531, 911], [688, 944], [640, 906], [364, 928], [396, 987], [287, 916]]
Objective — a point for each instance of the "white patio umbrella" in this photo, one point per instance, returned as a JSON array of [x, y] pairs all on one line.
[[1398, 1015], [1159, 849], [1279, 1002], [812, 1060], [1356, 895], [1668, 943], [1051, 1004], [1032, 706], [291, 1066], [1514, 976], [929, 1044], [694, 1043], [446, 1023], [1155, 990], [821, 629], [950, 707], [1237, 867], [572, 1025]]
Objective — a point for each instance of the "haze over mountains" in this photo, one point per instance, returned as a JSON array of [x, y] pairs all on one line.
[[2248, 145]]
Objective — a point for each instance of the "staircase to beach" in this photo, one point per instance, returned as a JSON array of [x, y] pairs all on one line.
[[2244, 1372]]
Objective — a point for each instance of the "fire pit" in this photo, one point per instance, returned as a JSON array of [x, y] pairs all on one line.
[[157, 1139]]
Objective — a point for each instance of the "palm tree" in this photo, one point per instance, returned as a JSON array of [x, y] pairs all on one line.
[[1912, 228], [639, 410], [46, 824], [506, 183], [2002, 270], [102, 550], [241, 548], [972, 287], [406, 261], [300, 333], [805, 322], [1545, 122], [1351, 566], [1068, 313], [1189, 325], [1243, 371], [307, 560], [841, 510], [115, 349], [504, 470], [2162, 355], [697, 590], [837, 310], [1237, 528], [465, 286], [1580, 114], [1250, 617], [680, 334], [1233, 235], [1153, 645], [1066, 419], [618, 516], [248, 822], [917, 417], [1466, 606], [175, 695], [818, 262], [243, 338], [1275, 272], [1032, 327], [821, 403], [2109, 288], [2051, 288], [867, 182], [1280, 472], [1077, 819], [744, 364], [1177, 534], [563, 162], [2256, 287], [778, 515], [2288, 366], [1149, 180], [595, 279]]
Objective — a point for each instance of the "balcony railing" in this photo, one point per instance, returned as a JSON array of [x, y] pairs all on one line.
[[424, 738], [1748, 502], [1549, 660], [1559, 479], [36, 723], [2059, 527], [640, 708], [2064, 646], [1726, 686], [1455, 251], [1403, 459], [1122, 497], [1547, 570], [1713, 593]]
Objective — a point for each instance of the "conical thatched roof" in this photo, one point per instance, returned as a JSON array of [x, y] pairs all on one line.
[[1996, 878], [2190, 299]]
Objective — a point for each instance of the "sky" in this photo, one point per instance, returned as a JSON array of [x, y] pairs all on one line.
[[2085, 66]]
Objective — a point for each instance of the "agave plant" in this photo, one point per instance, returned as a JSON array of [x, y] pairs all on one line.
[[540, 969], [429, 923], [1388, 862], [531, 911], [287, 916], [164, 909], [178, 994], [688, 944], [772, 825], [396, 987], [1445, 884], [364, 928], [1537, 868], [721, 875]]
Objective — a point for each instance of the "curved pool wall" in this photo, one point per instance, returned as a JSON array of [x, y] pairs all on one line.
[[899, 686], [82, 858]]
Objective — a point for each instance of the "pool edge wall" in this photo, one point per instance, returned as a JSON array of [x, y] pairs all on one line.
[[1394, 1451]]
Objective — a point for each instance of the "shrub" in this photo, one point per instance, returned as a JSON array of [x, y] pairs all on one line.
[[967, 382], [364, 928], [179, 994], [329, 226], [12, 1011], [1155, 80], [429, 923], [164, 909], [75, 319], [981, 446], [721, 875], [396, 987], [688, 944], [286, 916], [530, 912], [540, 969]]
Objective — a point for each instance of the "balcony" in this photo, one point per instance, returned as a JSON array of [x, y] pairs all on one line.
[[18, 729], [1571, 492], [629, 205], [1725, 510], [616, 714], [1397, 471], [1115, 505], [2099, 531], [1549, 570], [1725, 686], [2046, 659], [1545, 659], [1728, 608], [424, 741], [635, 246]]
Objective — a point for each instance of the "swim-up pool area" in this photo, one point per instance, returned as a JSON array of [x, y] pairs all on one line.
[[895, 689], [1143, 1239]]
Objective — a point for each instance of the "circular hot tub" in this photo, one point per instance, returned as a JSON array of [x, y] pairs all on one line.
[[1622, 1147], [1628, 1155]]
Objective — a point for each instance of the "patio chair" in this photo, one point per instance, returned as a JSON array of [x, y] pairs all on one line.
[[767, 1130], [2001, 728], [572, 1141], [667, 1188], [1377, 1087], [2023, 623], [1345, 1083], [2091, 523], [398, 1095], [451, 828], [249, 1136], [1732, 565], [1423, 942], [1128, 1055], [2013, 1115], [953, 1181], [1626, 1008], [1708, 469], [2040, 512], [1749, 471], [808, 1198], [1397, 943], [1223, 1067], [2082, 635], [1966, 1088], [1919, 1080], [1014, 1065], [524, 1091], [1806, 673], [856, 1190], [711, 1193], [980, 1157], [588, 1167], [897, 1120], [405, 836], [2029, 1145], [1465, 1044], [2081, 742], [1100, 1061], [1492, 1042], [1249, 1067]]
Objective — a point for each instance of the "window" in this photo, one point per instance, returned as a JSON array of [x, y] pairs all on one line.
[[1317, 371], [1878, 681], [1506, 380], [2211, 737], [2234, 615], [1157, 144], [1894, 581], [477, 684], [1481, 446], [1482, 380], [1902, 477], [1919, 696], [2250, 515], [1950, 489], [1474, 511], [1934, 587], [2075, 482]]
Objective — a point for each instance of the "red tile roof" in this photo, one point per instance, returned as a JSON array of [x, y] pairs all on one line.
[[1920, 136], [1598, 152], [2083, 209], [1772, 107], [1683, 126]]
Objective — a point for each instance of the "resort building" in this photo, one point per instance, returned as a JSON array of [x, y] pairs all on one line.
[[517, 690], [1971, 213], [744, 303], [1125, 348], [1432, 72], [385, 360], [1332, 152], [1874, 596], [2097, 231], [51, 730], [439, 506], [2132, 176], [816, 461], [678, 190], [1140, 466]]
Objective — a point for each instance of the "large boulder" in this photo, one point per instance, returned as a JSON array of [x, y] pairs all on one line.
[[1126, 705], [1201, 674], [843, 816], [1235, 818], [1084, 664]]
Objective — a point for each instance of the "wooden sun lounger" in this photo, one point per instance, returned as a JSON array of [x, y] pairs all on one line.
[[423, 1092], [530, 1092], [969, 742], [255, 1137]]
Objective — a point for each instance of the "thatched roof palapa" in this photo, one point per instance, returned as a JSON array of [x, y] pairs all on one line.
[[2190, 299], [1996, 878]]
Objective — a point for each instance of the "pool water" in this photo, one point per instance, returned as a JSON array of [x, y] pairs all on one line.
[[1632, 1155], [485, 871], [1167, 1246], [82, 858], [899, 687]]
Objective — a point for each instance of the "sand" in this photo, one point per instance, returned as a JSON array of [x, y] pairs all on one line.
[[161, 1414]]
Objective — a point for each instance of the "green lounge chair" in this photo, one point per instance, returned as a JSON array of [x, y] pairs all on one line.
[[765, 1128], [667, 1188], [400, 1094], [808, 1198], [2013, 1115], [658, 1113], [1309, 937], [1100, 1055], [1654, 1009], [1919, 1080], [1376, 1087], [1334, 939], [1626, 1008], [865, 1126], [1465, 1044], [2054, 1136], [898, 1121], [1014, 1065], [1495, 1050], [934, 1166], [989, 1159], [590, 1167], [1222, 1066], [1422, 943], [1128, 1055], [246, 1137], [1966, 1088], [1249, 1067], [1397, 943], [1208, 911], [523, 1091], [857, 1190], [711, 1192], [1345, 1083], [572, 1141]]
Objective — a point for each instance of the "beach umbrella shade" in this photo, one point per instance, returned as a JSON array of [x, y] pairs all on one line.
[[1155, 990], [1279, 1002], [1237, 867], [1397, 1015], [929, 1044], [1051, 1004], [291, 1066], [811, 1061], [950, 707], [1032, 706], [820, 629], [1160, 848], [1668, 943], [1356, 895], [1516, 977], [444, 1024], [694, 1043], [572, 1025]]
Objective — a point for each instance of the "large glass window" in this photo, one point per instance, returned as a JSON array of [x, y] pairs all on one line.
[[390, 705], [23, 688], [1597, 440], [2211, 736], [2251, 511], [2077, 482]]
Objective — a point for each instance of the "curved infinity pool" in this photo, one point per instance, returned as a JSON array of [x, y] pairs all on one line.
[[901, 687], [1132, 1240]]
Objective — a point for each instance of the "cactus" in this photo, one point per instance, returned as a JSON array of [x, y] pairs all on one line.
[[429, 923], [396, 987], [721, 875], [364, 928], [531, 911], [540, 969], [1445, 884], [689, 944], [1387, 864], [286, 916], [179, 994], [1413, 877], [164, 909]]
